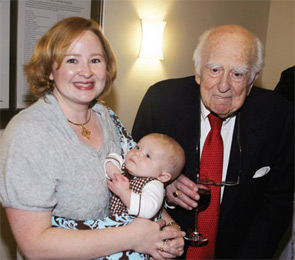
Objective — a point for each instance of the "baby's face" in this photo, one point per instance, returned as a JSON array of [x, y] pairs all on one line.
[[147, 158]]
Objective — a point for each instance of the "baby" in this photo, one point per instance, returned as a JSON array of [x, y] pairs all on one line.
[[156, 160]]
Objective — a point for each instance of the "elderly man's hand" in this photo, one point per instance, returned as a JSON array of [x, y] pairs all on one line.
[[183, 192]]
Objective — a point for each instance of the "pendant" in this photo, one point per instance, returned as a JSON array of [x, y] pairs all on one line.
[[85, 132]]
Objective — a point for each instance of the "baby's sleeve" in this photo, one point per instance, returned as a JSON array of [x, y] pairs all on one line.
[[149, 202], [116, 159]]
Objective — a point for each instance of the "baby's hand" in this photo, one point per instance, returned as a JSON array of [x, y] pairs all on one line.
[[111, 169], [119, 185]]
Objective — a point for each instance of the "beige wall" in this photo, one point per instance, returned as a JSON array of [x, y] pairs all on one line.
[[271, 21], [280, 42]]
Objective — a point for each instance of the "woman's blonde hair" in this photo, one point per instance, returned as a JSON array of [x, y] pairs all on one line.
[[52, 46]]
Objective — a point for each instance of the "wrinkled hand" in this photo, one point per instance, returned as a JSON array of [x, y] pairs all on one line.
[[187, 193]]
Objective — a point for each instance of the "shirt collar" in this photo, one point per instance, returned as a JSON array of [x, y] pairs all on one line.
[[205, 112]]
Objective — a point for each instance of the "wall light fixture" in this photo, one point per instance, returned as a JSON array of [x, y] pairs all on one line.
[[152, 35]]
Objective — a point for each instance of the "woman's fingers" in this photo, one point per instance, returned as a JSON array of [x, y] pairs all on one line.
[[157, 242], [172, 248]]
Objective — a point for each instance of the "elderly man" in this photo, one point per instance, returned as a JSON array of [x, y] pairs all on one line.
[[252, 206]]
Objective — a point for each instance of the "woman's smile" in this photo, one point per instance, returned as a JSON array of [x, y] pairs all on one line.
[[84, 85]]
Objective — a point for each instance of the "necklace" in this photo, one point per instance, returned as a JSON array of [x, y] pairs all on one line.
[[84, 131]]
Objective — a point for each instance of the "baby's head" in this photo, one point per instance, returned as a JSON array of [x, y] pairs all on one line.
[[156, 155]]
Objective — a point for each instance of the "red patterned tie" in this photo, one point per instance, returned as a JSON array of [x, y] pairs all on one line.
[[210, 167]]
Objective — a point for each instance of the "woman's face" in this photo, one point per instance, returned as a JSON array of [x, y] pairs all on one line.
[[82, 74]]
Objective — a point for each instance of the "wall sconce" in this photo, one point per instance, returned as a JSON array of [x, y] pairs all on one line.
[[152, 35]]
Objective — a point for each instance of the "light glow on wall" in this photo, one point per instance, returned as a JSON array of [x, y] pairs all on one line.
[[152, 36]]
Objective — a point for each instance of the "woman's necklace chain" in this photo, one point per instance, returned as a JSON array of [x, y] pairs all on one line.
[[84, 131]]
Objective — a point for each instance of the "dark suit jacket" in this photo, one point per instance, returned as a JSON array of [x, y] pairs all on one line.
[[254, 215], [286, 85]]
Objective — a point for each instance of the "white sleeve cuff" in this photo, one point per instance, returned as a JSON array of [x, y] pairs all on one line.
[[114, 158], [167, 206]]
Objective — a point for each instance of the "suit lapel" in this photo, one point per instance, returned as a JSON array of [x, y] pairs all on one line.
[[188, 126], [249, 138]]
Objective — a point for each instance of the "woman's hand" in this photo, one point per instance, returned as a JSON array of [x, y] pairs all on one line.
[[177, 243], [183, 192], [151, 239]]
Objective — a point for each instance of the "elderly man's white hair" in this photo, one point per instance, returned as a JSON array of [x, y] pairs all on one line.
[[259, 55]]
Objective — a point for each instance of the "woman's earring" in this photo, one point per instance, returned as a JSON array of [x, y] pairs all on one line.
[[50, 84]]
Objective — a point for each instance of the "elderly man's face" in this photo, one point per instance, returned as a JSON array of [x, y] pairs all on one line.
[[226, 74]]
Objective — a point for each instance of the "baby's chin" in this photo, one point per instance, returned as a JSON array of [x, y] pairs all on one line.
[[132, 172], [130, 169]]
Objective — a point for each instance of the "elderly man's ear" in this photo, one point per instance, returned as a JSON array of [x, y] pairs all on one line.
[[164, 177], [251, 85], [197, 79]]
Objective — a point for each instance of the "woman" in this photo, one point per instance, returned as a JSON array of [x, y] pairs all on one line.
[[52, 154]]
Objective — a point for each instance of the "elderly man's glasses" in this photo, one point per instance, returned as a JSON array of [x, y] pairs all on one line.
[[223, 183]]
